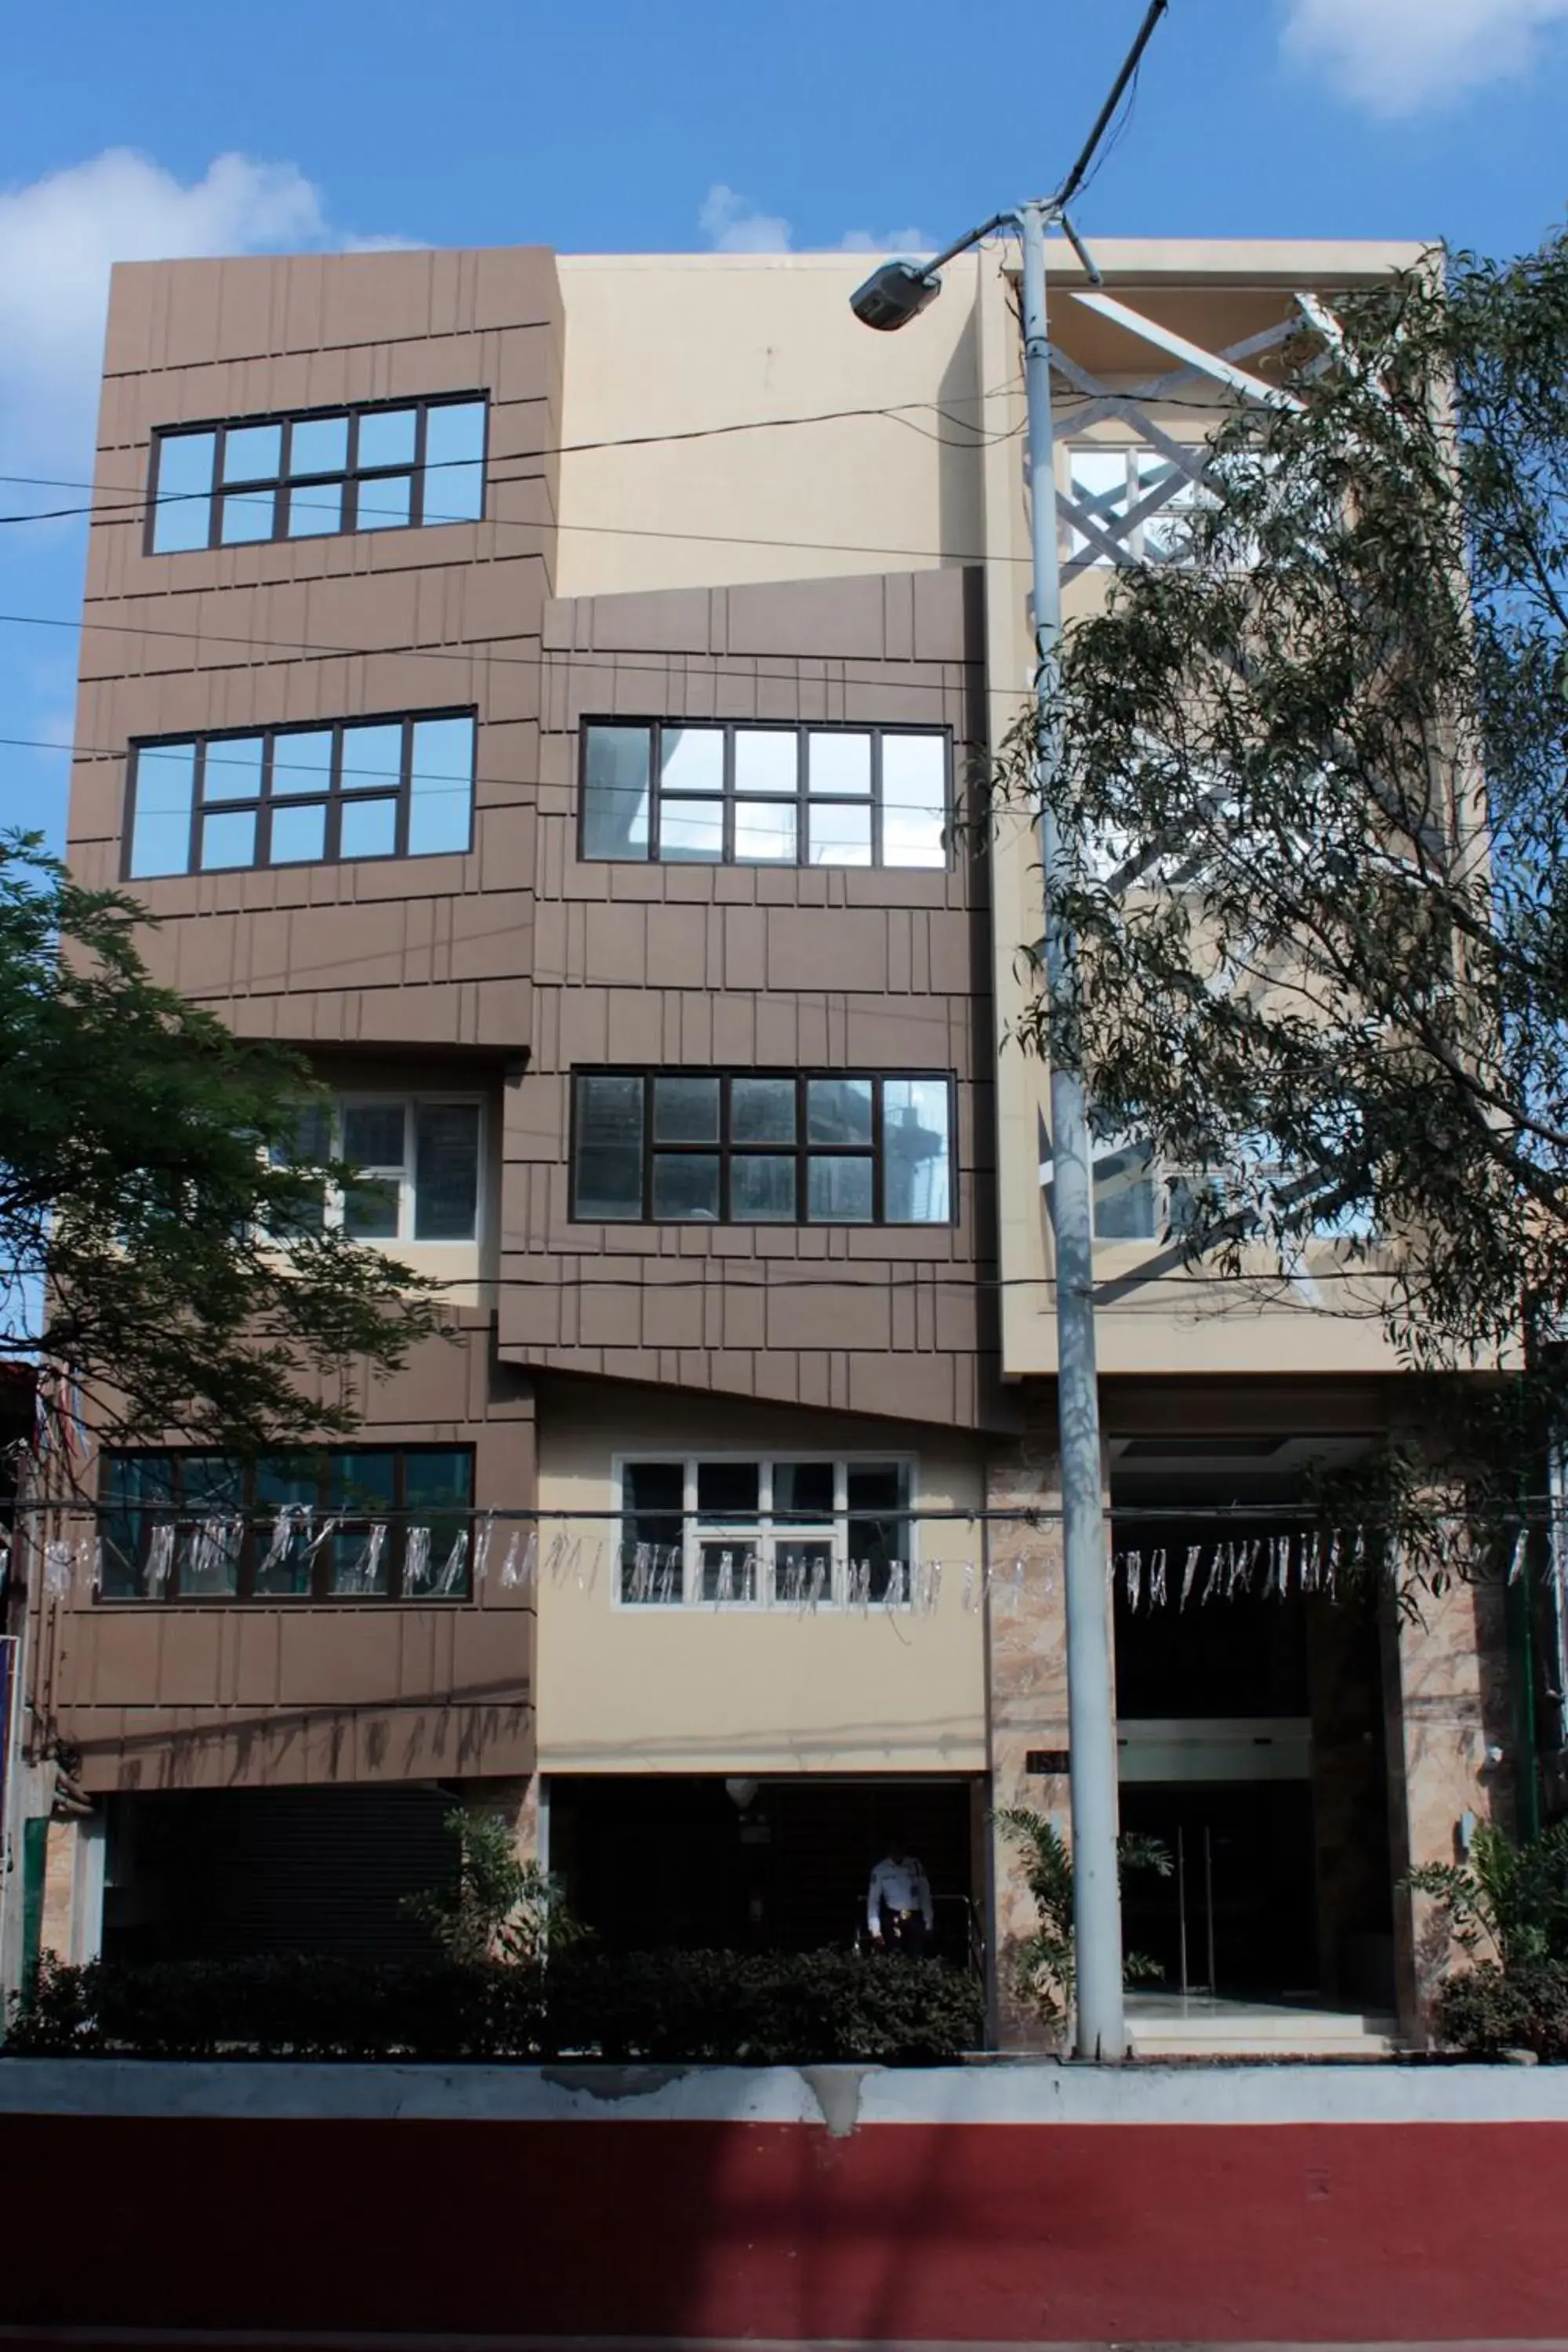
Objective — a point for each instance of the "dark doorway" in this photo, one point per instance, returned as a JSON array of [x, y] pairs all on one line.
[[1237, 1917], [1225, 1666], [670, 1860]]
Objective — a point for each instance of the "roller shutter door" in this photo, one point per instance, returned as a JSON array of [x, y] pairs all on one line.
[[283, 1870]]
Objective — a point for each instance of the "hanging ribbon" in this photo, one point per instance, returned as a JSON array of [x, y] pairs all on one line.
[[1190, 1572], [293, 1519], [161, 1558], [89, 1566], [456, 1560], [520, 1567]]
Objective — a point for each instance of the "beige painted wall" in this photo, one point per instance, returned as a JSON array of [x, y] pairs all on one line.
[[673, 1689], [674, 343]]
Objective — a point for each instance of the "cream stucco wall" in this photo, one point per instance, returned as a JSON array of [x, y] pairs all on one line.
[[669, 344], [701, 1689], [677, 343]]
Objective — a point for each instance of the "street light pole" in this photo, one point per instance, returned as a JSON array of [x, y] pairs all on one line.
[[892, 296], [1101, 2028]]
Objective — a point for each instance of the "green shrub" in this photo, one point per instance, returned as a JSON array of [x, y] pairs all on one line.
[[713, 2008], [1488, 2009]]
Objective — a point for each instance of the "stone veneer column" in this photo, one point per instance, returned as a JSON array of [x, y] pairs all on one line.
[[516, 1802], [1026, 1697], [1445, 1697]]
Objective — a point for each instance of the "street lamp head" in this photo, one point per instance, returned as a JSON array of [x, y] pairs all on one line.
[[895, 294]]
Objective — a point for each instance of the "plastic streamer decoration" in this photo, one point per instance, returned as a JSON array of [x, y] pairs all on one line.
[[416, 1562], [456, 1562], [1270, 1566], [161, 1558], [293, 1519], [520, 1567]]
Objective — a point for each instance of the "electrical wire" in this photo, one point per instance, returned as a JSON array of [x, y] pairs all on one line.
[[136, 502], [902, 412]]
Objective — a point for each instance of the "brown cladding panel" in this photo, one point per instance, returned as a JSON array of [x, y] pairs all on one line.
[[169, 1695], [782, 968], [340, 626]]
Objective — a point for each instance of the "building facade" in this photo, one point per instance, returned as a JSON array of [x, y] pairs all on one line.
[[547, 690]]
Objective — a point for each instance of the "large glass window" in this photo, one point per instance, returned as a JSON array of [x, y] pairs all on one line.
[[417, 1159], [761, 1147], [384, 467], [774, 1532], [695, 793], [368, 1523], [302, 795]]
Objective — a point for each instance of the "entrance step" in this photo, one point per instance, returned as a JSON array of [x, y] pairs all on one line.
[[1167, 2026]]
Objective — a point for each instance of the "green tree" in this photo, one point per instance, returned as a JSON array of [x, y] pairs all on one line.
[[496, 1906], [163, 1251], [1317, 766], [1043, 1966]]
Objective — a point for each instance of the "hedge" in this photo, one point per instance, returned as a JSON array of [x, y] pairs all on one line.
[[1485, 2012], [711, 2008]]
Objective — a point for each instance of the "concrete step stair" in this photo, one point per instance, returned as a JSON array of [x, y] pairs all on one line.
[[1167, 2027]]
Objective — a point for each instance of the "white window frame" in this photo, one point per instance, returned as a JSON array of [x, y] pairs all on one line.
[[378, 1099], [1165, 1179], [763, 1537], [1148, 541]]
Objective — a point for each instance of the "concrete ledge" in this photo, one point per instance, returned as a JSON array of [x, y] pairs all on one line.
[[841, 2097]]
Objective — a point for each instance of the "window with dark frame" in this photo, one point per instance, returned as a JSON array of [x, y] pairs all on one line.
[[377, 467], [678, 791], [353, 1523], [316, 795], [761, 1147]]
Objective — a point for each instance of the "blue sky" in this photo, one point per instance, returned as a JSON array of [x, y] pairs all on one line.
[[173, 128]]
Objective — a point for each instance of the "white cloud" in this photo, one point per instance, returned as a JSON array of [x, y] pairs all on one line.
[[730, 225], [898, 240], [1398, 56], [59, 238]]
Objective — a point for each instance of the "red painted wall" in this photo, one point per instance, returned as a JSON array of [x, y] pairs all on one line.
[[1218, 2233]]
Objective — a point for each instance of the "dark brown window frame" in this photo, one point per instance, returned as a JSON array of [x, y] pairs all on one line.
[[263, 802], [257, 1519], [728, 797], [800, 1151], [347, 476]]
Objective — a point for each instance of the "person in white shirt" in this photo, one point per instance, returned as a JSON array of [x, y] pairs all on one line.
[[897, 1903]]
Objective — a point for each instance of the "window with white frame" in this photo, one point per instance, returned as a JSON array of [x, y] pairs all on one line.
[[1138, 1198], [417, 1159], [1142, 500], [764, 1531]]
